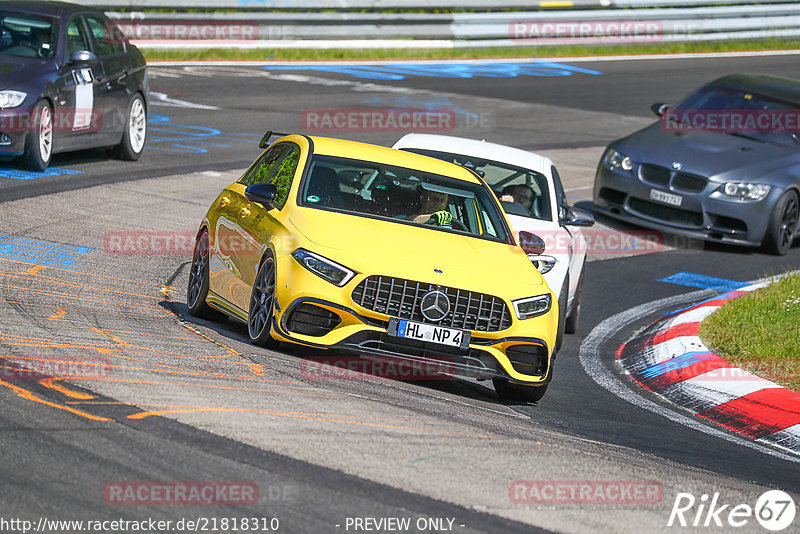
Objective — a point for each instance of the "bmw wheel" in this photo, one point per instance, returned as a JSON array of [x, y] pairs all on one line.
[[135, 130], [261, 303], [39, 141], [782, 224], [199, 278]]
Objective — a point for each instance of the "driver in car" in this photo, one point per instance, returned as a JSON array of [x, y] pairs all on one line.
[[433, 205], [519, 193]]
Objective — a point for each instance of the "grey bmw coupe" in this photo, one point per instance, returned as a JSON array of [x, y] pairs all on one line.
[[722, 165]]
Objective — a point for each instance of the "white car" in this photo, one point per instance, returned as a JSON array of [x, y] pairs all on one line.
[[513, 175]]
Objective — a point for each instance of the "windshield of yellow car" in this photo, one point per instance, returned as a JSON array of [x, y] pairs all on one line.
[[403, 195]]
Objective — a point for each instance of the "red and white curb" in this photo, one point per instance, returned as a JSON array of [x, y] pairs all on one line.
[[669, 359]]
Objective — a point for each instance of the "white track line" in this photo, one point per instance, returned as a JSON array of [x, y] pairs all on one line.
[[591, 361]]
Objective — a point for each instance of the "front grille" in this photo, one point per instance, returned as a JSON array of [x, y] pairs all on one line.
[[666, 213], [401, 298], [654, 174], [612, 195], [691, 183], [311, 320]]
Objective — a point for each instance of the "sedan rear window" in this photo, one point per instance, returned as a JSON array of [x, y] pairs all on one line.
[[27, 35]]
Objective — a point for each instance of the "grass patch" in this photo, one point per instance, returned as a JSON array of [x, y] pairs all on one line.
[[760, 332], [309, 54]]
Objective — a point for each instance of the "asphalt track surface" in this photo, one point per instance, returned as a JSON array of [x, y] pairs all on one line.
[[189, 400]]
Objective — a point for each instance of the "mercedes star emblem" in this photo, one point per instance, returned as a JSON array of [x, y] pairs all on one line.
[[435, 306]]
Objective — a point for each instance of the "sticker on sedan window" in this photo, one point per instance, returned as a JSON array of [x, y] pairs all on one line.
[[312, 198], [84, 98]]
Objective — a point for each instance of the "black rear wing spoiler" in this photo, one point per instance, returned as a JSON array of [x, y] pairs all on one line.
[[264, 143]]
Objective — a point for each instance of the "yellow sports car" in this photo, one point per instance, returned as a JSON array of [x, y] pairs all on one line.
[[342, 245]]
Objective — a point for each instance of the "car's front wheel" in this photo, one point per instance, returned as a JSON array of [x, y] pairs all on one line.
[[39, 141], [517, 392], [261, 303], [135, 131], [782, 224]]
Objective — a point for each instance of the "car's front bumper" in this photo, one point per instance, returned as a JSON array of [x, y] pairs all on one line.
[[14, 126], [325, 316], [626, 196]]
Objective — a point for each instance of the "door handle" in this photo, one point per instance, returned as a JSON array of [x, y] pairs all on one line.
[[224, 201], [244, 212]]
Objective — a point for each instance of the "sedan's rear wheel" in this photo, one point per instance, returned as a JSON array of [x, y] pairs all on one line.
[[782, 224], [261, 303], [135, 131], [197, 291], [517, 392], [39, 141]]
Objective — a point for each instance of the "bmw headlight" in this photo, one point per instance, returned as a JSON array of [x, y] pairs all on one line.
[[11, 99], [615, 160], [331, 271], [531, 307], [744, 191]]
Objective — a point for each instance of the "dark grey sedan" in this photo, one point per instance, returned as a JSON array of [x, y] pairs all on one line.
[[723, 165], [68, 80]]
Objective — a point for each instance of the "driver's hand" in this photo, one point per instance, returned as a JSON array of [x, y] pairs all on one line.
[[443, 217]]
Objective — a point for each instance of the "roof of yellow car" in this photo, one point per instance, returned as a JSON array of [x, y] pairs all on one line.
[[390, 156]]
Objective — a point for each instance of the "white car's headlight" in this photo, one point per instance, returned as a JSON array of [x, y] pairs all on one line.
[[744, 191], [11, 99], [615, 160], [326, 269], [531, 307]]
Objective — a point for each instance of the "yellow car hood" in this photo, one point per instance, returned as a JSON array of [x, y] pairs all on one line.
[[373, 246]]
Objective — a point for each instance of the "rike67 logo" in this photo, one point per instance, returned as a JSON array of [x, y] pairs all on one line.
[[774, 511]]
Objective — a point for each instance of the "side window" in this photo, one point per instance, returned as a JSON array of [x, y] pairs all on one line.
[[283, 177], [561, 197], [105, 40], [261, 172], [76, 37]]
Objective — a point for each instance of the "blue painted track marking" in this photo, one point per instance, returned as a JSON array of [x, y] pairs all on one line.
[[678, 362], [703, 281], [18, 174], [40, 252], [186, 138], [404, 103], [446, 70]]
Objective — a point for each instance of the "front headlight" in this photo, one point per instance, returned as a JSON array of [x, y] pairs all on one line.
[[531, 307], [615, 160], [11, 99], [744, 191], [331, 271]]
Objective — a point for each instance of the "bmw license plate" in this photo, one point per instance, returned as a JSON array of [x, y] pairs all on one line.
[[666, 198], [430, 333]]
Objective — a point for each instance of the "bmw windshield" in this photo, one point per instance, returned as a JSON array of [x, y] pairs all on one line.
[[403, 195], [29, 36]]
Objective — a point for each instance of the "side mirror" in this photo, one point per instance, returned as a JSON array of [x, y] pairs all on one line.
[[578, 217], [659, 109], [82, 56], [263, 194], [531, 243]]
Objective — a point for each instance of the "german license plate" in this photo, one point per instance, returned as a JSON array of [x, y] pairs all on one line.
[[666, 198], [432, 333]]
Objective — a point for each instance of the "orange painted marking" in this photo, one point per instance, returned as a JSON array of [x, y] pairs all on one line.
[[75, 272], [256, 369], [33, 271], [86, 299], [217, 386], [112, 337], [27, 395], [58, 315], [51, 383], [58, 282], [301, 415]]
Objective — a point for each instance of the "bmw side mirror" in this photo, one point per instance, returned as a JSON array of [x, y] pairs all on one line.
[[531, 243], [263, 194], [578, 217], [82, 56], [659, 109]]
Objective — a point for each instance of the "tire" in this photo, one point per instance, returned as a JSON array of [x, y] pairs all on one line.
[[39, 140], [259, 322], [199, 277], [516, 392], [782, 224], [574, 315], [134, 132], [562, 312]]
